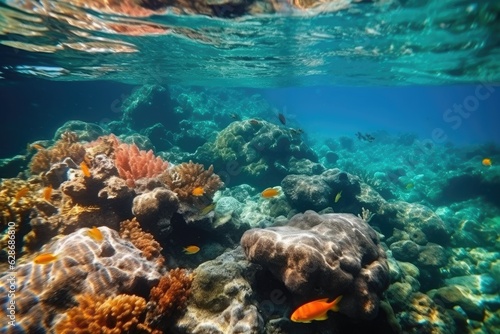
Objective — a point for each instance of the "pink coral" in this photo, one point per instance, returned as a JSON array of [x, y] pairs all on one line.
[[134, 164]]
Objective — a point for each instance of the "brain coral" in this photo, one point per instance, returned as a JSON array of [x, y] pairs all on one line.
[[83, 265], [318, 256]]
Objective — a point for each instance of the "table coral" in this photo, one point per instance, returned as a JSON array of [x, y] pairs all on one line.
[[98, 314], [318, 256], [134, 164], [67, 146]]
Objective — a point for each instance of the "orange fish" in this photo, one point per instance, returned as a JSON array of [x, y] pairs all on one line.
[[315, 310], [191, 249], [270, 192], [21, 193], [198, 191], [95, 234], [47, 193], [486, 162], [45, 258], [85, 169]]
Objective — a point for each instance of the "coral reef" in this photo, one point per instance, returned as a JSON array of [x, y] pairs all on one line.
[[82, 264], [318, 256], [254, 152], [154, 209], [168, 299], [222, 298], [133, 164], [184, 178], [98, 314], [67, 146], [151, 249]]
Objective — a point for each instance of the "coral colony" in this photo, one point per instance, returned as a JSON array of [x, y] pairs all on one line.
[[242, 225]]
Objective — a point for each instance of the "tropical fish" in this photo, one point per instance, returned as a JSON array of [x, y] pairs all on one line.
[[21, 193], [315, 310], [47, 193], [282, 118], [206, 210], [45, 258], [95, 234], [191, 249], [486, 162], [409, 186], [37, 147], [85, 169], [338, 196], [198, 191], [270, 192]]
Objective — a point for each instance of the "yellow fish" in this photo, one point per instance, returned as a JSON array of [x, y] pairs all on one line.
[[315, 310], [95, 234], [21, 193], [45, 258], [486, 162], [198, 191], [191, 249], [206, 210], [337, 197]]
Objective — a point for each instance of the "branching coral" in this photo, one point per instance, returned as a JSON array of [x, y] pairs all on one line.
[[134, 164], [151, 249], [67, 146], [96, 314], [184, 178], [170, 295]]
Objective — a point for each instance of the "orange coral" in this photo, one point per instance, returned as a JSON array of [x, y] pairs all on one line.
[[98, 314], [171, 294], [183, 179], [131, 230], [67, 146], [133, 164]]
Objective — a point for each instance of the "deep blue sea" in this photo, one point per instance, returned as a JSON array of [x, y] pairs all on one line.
[[250, 166]]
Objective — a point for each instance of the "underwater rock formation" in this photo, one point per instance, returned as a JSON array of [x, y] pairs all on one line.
[[221, 300], [82, 264], [318, 192], [254, 152], [318, 256]]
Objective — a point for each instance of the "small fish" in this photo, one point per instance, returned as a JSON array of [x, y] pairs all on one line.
[[47, 193], [410, 186], [254, 122], [315, 310], [85, 169], [270, 192], [190, 250], [282, 118], [95, 234], [234, 116], [198, 191], [37, 147], [45, 258], [206, 210], [486, 162], [21, 193], [338, 196]]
